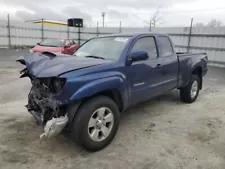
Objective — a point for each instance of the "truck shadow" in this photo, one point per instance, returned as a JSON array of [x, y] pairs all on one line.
[[155, 106], [23, 134]]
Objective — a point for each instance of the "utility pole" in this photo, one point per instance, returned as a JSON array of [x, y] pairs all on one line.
[[150, 26], [9, 33], [120, 29], [68, 31], [189, 36], [97, 29], [42, 29], [103, 19]]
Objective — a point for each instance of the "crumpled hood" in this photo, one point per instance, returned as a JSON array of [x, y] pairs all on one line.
[[41, 65]]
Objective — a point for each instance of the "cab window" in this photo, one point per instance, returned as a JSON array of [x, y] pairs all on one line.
[[146, 44]]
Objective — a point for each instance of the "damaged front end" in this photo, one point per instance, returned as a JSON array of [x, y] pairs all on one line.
[[49, 98], [41, 99], [47, 111]]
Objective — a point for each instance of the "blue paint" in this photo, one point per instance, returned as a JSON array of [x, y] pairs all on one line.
[[135, 81]]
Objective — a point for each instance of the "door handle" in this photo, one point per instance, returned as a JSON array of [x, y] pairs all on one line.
[[158, 66]]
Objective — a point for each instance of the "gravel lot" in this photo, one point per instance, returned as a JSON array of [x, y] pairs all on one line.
[[159, 134]]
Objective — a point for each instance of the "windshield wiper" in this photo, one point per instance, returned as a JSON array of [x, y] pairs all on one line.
[[96, 57]]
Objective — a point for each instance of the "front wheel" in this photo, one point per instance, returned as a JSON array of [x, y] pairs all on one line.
[[190, 93], [96, 123]]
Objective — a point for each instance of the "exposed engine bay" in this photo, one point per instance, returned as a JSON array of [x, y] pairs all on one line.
[[43, 106]]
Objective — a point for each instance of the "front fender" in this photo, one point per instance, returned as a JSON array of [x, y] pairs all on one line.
[[100, 85]]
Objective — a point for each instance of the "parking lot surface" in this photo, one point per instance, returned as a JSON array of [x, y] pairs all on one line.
[[163, 133]]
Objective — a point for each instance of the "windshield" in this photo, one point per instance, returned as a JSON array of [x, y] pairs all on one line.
[[103, 48], [52, 42]]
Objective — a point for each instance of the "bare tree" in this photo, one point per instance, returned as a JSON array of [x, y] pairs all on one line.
[[155, 19], [215, 23], [219, 23], [199, 24]]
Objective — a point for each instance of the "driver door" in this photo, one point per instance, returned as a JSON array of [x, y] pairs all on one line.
[[145, 76]]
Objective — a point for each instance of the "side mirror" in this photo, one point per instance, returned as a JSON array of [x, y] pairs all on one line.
[[38, 43], [138, 56]]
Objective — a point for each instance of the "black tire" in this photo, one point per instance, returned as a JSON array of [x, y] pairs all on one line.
[[79, 127], [185, 93]]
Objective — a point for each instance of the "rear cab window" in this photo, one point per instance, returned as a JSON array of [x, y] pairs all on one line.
[[165, 46]]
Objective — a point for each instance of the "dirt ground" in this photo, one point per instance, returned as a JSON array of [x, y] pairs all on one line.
[[160, 134]]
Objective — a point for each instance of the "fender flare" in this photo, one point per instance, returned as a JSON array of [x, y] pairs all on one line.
[[99, 85], [91, 89], [191, 69]]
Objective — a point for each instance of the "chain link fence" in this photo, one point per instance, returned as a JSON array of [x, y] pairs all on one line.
[[17, 34]]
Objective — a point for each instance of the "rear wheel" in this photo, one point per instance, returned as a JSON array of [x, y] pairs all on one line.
[[96, 123], [190, 93]]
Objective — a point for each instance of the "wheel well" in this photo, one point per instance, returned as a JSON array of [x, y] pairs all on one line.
[[115, 95], [198, 71]]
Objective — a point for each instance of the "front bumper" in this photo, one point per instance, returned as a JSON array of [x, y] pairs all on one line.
[[48, 113], [54, 127]]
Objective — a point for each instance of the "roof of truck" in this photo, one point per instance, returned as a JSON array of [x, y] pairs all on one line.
[[133, 34]]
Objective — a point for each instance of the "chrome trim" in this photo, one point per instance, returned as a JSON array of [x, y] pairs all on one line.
[[139, 84]]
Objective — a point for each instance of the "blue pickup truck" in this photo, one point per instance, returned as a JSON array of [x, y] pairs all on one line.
[[84, 94]]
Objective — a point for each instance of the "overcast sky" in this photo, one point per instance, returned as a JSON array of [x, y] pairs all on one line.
[[130, 12]]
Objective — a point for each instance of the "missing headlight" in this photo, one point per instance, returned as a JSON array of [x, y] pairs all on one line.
[[58, 84]]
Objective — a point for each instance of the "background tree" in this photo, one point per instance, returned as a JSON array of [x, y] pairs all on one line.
[[155, 19], [215, 23]]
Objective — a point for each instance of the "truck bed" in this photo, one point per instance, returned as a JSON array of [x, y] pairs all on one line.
[[188, 53], [186, 61]]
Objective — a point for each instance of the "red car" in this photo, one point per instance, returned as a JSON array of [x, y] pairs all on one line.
[[64, 46]]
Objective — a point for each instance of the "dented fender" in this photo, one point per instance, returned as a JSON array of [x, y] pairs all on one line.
[[100, 85]]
